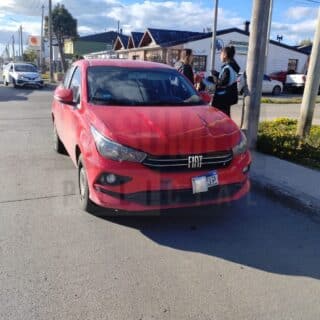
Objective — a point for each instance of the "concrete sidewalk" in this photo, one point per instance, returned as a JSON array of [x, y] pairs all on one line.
[[291, 183]]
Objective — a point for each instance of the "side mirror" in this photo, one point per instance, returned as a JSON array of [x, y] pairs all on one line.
[[64, 95], [205, 96]]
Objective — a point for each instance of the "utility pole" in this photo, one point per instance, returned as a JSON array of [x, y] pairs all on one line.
[[311, 86], [41, 40], [255, 68], [268, 36], [214, 32], [13, 52], [21, 42], [50, 41]]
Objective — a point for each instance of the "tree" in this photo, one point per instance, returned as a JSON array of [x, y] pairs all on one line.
[[305, 42], [64, 26], [30, 55]]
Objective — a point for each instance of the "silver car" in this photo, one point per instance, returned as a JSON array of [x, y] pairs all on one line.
[[22, 74]]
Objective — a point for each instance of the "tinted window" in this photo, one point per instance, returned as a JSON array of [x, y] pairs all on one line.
[[128, 86], [25, 68]]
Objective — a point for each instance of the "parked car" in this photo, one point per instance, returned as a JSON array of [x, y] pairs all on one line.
[[143, 139], [279, 76], [295, 82], [21, 75], [268, 85]]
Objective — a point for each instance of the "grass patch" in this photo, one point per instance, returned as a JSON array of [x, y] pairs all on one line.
[[284, 100], [278, 138]]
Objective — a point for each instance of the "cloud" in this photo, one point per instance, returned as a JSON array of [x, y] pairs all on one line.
[[96, 16], [295, 33], [301, 13]]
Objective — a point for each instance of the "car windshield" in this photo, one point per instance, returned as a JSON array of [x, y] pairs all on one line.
[[139, 87], [25, 68]]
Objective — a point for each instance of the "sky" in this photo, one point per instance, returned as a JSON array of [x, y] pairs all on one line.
[[294, 20]]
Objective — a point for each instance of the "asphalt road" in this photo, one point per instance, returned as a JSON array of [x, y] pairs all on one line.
[[270, 111], [254, 259]]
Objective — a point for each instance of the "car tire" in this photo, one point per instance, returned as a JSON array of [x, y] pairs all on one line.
[[14, 83], [57, 143], [276, 91], [83, 188]]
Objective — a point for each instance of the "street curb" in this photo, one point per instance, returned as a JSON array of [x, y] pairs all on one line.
[[288, 196]]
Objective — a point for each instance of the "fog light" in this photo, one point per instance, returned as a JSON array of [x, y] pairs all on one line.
[[112, 179], [246, 169]]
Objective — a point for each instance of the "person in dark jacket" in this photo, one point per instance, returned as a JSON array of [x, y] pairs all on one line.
[[184, 65], [226, 93]]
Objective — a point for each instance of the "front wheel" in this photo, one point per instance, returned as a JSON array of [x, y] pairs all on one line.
[[85, 203], [276, 90], [14, 83]]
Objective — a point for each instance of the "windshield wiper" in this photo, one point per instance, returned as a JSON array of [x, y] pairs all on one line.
[[113, 101]]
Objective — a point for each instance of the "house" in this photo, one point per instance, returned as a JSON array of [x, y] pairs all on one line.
[[166, 45], [91, 43]]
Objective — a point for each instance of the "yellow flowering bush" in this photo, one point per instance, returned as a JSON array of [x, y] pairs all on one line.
[[278, 138]]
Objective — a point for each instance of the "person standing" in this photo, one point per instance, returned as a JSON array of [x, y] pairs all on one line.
[[226, 93], [185, 64]]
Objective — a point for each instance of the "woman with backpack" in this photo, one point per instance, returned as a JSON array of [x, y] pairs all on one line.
[[226, 93]]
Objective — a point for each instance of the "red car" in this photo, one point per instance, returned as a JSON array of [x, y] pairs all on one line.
[[143, 139]]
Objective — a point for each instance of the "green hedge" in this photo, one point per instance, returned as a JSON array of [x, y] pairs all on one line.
[[279, 138]]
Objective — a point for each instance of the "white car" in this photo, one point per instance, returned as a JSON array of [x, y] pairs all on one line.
[[21, 74], [268, 85]]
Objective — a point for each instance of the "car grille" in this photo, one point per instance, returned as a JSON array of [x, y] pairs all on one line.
[[209, 161], [172, 197]]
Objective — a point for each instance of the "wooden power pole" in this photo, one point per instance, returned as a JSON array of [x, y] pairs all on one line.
[[311, 86], [255, 68], [50, 41], [42, 55]]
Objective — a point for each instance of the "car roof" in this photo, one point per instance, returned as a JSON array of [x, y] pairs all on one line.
[[123, 63]]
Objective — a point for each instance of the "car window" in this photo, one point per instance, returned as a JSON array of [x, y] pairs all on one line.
[[75, 84], [25, 68], [265, 77], [133, 86]]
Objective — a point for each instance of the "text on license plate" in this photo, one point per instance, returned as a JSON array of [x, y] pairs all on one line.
[[203, 183]]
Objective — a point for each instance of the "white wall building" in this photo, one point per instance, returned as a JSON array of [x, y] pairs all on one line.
[[280, 57]]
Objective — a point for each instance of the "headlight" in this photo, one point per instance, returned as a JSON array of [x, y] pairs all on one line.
[[115, 151], [242, 146]]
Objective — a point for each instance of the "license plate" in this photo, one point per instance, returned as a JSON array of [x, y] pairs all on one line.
[[203, 183]]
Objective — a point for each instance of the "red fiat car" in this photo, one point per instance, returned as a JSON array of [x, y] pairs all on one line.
[[142, 138]]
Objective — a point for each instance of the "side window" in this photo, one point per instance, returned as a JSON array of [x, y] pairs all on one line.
[[75, 84], [11, 68], [67, 77]]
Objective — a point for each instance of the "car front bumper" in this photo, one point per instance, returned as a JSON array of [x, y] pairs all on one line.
[[23, 83], [152, 190]]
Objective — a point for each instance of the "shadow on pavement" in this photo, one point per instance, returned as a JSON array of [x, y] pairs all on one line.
[[260, 234], [17, 94]]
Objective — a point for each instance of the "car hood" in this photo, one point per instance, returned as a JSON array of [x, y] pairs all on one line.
[[167, 130]]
